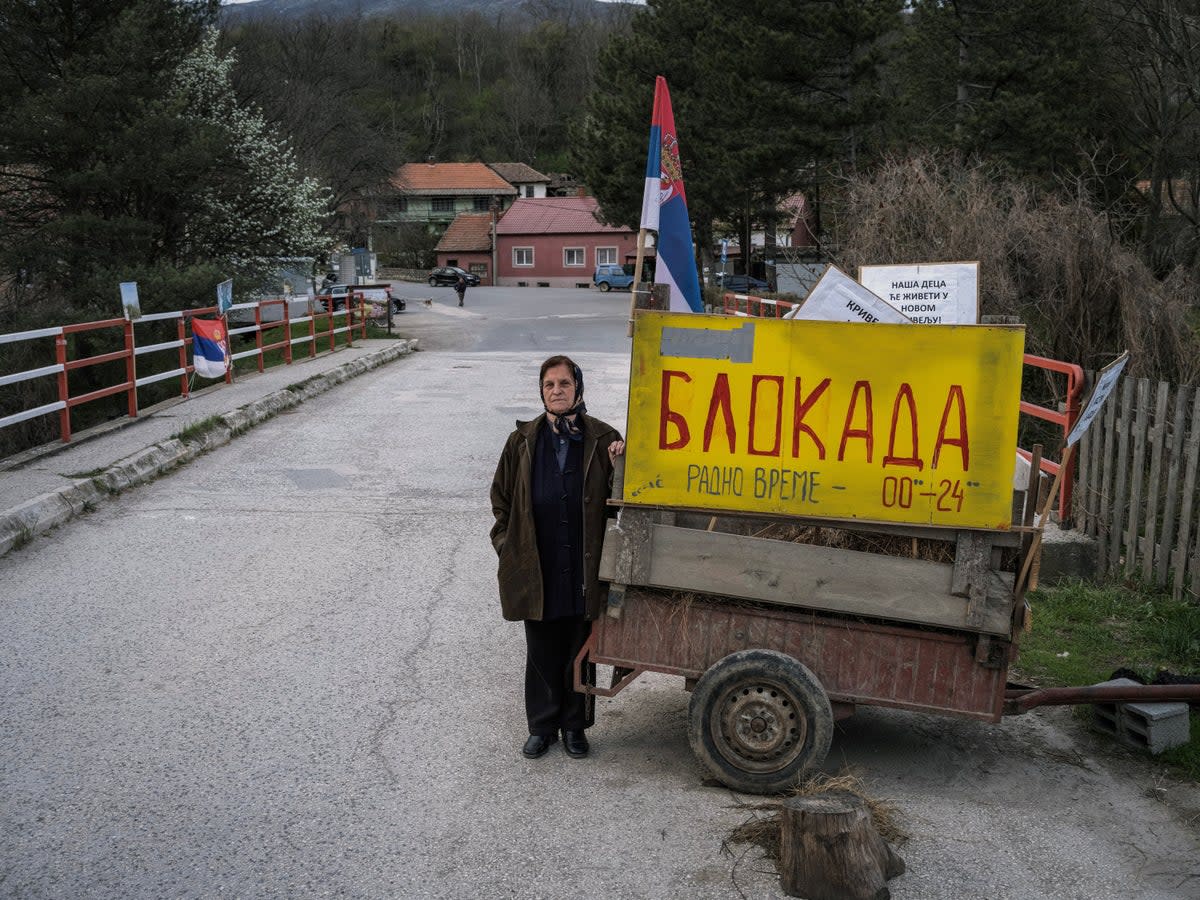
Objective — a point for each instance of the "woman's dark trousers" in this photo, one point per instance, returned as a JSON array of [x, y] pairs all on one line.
[[551, 702]]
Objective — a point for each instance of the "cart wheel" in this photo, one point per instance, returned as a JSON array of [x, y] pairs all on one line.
[[758, 719]]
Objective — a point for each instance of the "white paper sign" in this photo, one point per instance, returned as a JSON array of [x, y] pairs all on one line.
[[928, 293], [129, 300], [225, 296], [1105, 382], [837, 297]]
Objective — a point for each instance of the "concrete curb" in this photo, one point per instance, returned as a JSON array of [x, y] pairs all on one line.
[[20, 525]]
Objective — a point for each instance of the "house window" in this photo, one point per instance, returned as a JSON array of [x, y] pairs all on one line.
[[522, 256], [442, 204], [606, 256], [483, 204], [529, 190], [572, 256], [479, 269]]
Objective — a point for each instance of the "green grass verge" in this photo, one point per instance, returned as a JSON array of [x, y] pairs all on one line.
[[197, 430], [1082, 632]]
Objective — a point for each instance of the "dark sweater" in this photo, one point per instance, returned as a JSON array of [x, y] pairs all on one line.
[[558, 522]]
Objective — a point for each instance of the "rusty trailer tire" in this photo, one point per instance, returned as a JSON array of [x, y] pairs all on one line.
[[758, 719]]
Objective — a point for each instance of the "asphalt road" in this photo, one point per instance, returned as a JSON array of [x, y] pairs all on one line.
[[281, 672]]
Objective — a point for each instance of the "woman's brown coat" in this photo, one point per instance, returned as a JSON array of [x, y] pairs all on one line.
[[513, 535]]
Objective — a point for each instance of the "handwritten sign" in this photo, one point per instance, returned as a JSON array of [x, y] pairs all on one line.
[[825, 419], [837, 297], [1105, 382], [929, 293]]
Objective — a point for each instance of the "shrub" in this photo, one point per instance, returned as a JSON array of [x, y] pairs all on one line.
[[1054, 260]]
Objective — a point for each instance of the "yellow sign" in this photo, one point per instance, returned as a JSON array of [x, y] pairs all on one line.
[[829, 419]]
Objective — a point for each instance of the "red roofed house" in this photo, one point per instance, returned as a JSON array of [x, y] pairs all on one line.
[[437, 192], [557, 242], [467, 244]]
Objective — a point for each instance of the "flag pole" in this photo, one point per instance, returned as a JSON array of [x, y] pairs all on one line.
[[637, 278]]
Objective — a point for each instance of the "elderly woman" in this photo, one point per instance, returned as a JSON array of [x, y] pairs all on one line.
[[548, 498]]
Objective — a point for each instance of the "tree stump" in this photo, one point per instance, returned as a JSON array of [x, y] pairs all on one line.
[[830, 850]]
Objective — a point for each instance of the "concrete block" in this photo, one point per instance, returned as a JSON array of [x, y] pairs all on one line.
[[1147, 726], [1067, 554]]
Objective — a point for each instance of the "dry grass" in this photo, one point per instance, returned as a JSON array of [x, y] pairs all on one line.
[[762, 829], [844, 539], [1055, 261]]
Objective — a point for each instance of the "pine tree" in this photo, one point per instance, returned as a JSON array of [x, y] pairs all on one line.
[[1017, 81], [766, 95]]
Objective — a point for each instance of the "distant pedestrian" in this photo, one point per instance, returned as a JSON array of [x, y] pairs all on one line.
[[460, 287]]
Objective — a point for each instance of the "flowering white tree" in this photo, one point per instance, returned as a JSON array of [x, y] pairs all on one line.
[[254, 202]]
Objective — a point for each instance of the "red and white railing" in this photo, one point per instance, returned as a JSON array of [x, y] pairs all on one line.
[[353, 313]]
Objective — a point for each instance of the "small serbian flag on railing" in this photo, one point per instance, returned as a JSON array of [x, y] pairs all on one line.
[[210, 349], [664, 207]]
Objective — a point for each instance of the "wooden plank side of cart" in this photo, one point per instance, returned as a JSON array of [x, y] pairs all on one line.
[[933, 642], [822, 578], [857, 662]]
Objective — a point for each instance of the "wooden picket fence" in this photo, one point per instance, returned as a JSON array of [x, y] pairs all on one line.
[[1136, 492]]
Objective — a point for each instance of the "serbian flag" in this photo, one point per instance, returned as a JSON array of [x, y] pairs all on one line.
[[664, 207], [210, 349]]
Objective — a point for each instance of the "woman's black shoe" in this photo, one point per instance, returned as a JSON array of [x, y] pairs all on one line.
[[538, 744], [575, 743]]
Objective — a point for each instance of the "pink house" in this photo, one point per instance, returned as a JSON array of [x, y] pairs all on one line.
[[557, 242]]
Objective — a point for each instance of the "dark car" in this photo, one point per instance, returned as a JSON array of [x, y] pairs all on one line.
[[449, 275], [742, 283]]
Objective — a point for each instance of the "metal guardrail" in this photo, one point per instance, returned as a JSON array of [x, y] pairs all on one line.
[[1064, 418], [354, 314], [760, 307]]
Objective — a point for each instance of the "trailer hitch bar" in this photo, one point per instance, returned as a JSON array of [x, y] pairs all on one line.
[[1019, 700]]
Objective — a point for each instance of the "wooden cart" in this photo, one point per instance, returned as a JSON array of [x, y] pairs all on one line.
[[777, 639]]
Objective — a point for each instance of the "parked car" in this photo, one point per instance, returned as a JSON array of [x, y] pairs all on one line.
[[336, 292], [608, 277], [377, 293], [743, 283], [449, 275]]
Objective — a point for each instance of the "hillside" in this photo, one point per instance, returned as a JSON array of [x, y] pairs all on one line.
[[336, 9]]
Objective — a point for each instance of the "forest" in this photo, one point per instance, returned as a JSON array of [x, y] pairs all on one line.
[[770, 98]]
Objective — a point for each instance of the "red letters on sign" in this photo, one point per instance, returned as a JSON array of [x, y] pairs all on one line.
[[800, 410], [666, 415], [954, 398], [762, 411], [867, 433], [891, 459], [776, 380], [720, 400]]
